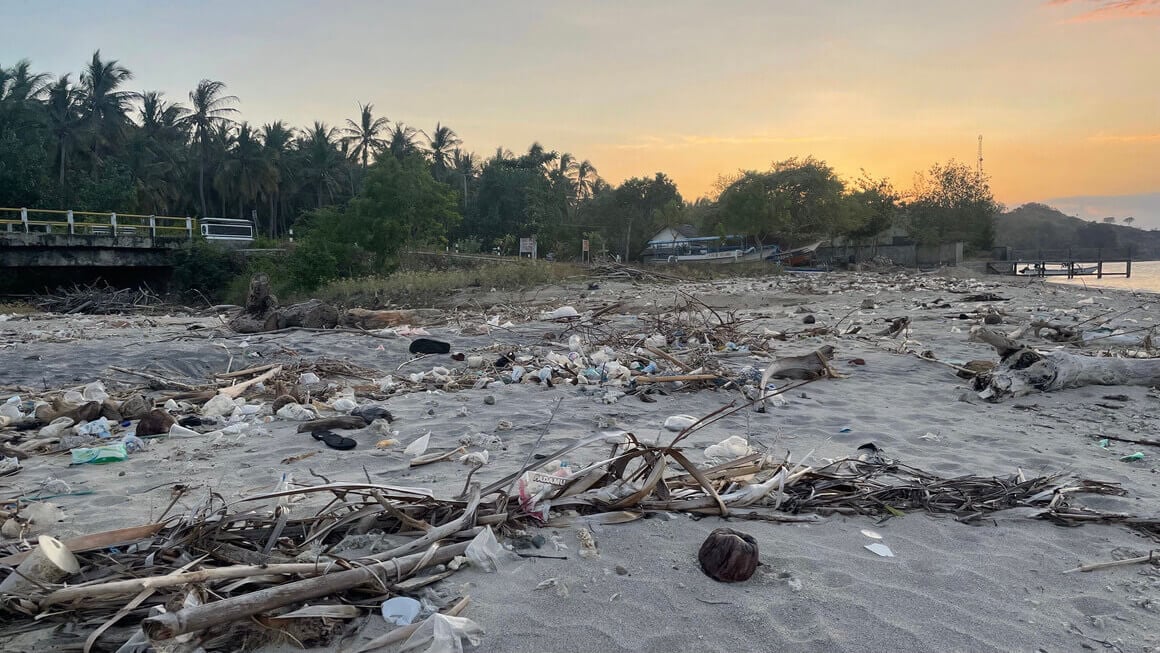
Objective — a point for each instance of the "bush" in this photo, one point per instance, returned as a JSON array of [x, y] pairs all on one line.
[[204, 267]]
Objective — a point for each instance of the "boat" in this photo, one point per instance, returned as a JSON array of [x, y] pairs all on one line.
[[1055, 270], [795, 258]]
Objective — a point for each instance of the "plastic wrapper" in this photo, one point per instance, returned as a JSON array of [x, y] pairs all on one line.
[[440, 633], [483, 552]]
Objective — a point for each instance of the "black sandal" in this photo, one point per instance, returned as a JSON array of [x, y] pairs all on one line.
[[334, 440]]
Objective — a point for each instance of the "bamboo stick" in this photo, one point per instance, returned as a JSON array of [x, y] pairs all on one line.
[[249, 370], [679, 377], [669, 357], [235, 391], [200, 617]]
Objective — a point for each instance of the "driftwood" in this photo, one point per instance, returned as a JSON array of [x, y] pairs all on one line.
[[341, 422], [1023, 370]]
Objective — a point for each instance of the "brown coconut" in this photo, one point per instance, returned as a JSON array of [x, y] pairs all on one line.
[[157, 422], [729, 556]]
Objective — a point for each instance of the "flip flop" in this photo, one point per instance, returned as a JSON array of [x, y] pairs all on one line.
[[334, 440], [428, 346]]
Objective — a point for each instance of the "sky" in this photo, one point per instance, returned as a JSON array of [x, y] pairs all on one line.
[[1066, 93]]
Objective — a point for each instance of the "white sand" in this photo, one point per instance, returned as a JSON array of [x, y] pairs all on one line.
[[950, 587]]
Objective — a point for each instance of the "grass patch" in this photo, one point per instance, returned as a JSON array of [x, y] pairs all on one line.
[[17, 308], [432, 288]]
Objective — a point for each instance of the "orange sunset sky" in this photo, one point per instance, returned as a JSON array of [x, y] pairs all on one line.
[[1066, 93]]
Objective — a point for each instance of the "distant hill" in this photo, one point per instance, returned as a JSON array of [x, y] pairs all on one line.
[[1038, 226]]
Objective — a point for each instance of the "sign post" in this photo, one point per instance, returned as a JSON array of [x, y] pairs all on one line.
[[528, 246]]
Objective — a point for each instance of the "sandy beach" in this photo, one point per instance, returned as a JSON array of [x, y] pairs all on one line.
[[994, 584]]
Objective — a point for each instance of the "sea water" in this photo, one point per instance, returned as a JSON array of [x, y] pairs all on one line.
[[1145, 277]]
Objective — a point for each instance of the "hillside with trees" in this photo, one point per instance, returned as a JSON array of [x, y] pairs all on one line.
[[356, 193], [1039, 227]]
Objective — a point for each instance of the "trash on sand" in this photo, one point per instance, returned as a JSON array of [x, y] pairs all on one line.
[[97, 428], [440, 633], [334, 440], [429, 346], [1131, 458], [179, 431], [731, 447], [308, 378], [218, 406], [881, 549], [560, 313], [871, 534], [483, 552], [680, 422], [419, 445], [401, 610], [296, 412], [109, 453], [56, 428], [729, 556]]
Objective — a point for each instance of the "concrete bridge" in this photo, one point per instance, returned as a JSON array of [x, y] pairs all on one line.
[[37, 238]]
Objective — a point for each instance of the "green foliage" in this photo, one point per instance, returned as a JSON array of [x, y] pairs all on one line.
[[952, 202], [400, 203], [22, 165], [796, 199], [204, 267]]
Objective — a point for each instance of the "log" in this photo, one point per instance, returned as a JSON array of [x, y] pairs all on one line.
[[199, 617], [312, 314], [50, 562], [347, 422], [1023, 370], [678, 377]]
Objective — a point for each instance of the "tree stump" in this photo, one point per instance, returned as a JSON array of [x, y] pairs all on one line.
[[313, 314]]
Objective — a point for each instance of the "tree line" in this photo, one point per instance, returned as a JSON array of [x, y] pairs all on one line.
[[92, 143]]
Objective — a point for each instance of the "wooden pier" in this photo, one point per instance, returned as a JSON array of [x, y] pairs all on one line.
[[1070, 263]]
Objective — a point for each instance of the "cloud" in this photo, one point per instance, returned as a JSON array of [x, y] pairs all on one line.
[[682, 141], [1125, 138], [1096, 10]]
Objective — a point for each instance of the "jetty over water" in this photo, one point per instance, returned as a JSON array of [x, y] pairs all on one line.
[[1070, 263]]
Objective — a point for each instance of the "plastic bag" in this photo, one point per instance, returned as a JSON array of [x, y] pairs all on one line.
[[483, 552], [218, 406], [296, 412], [440, 633], [95, 391], [733, 446], [417, 447], [109, 453], [400, 610], [98, 427]]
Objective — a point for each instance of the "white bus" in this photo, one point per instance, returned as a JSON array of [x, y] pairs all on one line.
[[227, 230]]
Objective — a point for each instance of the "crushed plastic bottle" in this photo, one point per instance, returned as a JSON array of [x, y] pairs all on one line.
[[98, 427]]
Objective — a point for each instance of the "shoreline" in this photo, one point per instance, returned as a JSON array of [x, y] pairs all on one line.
[[996, 586]]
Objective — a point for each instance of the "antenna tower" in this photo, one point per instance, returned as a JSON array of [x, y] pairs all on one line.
[[979, 170]]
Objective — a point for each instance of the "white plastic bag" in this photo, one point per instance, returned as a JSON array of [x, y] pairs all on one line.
[[218, 406], [483, 552], [442, 634], [95, 391], [296, 412], [733, 446]]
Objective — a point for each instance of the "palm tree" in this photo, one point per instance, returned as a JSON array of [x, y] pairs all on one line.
[[538, 157], [276, 141], [320, 160], [62, 115], [465, 166], [401, 141], [19, 89], [155, 151], [246, 172], [586, 180], [363, 135], [441, 141], [210, 109], [106, 109]]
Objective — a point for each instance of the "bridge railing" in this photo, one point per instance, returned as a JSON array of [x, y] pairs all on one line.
[[95, 224]]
